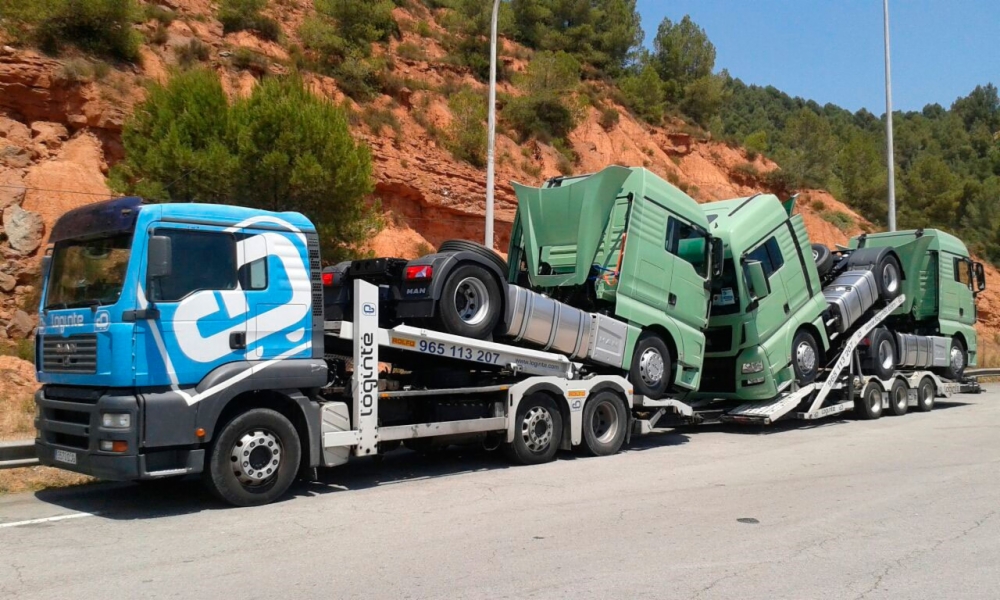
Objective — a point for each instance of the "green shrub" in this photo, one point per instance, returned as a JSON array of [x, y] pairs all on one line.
[[245, 15], [159, 13], [468, 127], [543, 117], [361, 22], [102, 27], [609, 118], [159, 35], [411, 51], [81, 69], [192, 52], [747, 170], [357, 77], [247, 59], [840, 220], [424, 29], [281, 148], [643, 93], [378, 119]]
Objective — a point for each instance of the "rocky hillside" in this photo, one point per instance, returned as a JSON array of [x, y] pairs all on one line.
[[61, 121]]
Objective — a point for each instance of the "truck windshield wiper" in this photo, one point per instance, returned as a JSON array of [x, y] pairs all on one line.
[[83, 303]]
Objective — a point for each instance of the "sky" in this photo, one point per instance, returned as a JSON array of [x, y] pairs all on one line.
[[832, 50]]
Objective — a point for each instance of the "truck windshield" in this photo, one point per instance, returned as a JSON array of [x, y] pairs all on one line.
[[88, 272], [726, 291]]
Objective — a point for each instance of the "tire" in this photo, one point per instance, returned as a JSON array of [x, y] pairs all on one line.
[[466, 246], [823, 258], [805, 357], [605, 420], [926, 393], [651, 368], [470, 303], [868, 406], [538, 431], [257, 480], [889, 277], [881, 360], [958, 358], [899, 397]]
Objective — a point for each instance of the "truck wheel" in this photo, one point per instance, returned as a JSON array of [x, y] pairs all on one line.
[[805, 357], [254, 459], [823, 258], [926, 393], [538, 431], [470, 302], [605, 419], [899, 397], [957, 359], [868, 406], [888, 275], [650, 371], [881, 360]]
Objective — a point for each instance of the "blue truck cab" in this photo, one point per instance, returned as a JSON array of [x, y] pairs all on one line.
[[154, 318]]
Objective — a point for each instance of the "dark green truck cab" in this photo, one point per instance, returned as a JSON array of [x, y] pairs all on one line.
[[940, 281]]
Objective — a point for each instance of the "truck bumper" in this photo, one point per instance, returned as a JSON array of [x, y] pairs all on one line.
[[70, 432]]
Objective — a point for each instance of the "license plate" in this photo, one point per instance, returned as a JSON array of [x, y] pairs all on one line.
[[66, 456]]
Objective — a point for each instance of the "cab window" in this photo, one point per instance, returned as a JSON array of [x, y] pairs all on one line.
[[768, 255], [688, 243], [202, 260], [963, 272]]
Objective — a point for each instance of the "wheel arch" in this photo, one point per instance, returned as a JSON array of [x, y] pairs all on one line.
[[292, 404], [558, 396]]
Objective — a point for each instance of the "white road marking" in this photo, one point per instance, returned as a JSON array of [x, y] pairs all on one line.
[[47, 520]]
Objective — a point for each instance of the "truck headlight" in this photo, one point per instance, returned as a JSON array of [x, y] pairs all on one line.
[[116, 420], [753, 367]]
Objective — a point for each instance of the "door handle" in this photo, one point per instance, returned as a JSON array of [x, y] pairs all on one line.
[[787, 310], [961, 312], [238, 340], [672, 300]]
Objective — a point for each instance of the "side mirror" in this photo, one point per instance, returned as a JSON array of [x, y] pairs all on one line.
[[980, 276], [160, 257], [718, 255], [758, 281]]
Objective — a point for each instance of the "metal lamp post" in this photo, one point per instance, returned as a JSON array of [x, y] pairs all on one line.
[[491, 131], [888, 123]]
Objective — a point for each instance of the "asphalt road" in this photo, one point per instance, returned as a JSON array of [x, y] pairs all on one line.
[[896, 508]]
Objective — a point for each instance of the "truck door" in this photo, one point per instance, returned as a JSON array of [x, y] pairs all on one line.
[[688, 295], [274, 274], [793, 275], [202, 312], [646, 267], [958, 298], [770, 314]]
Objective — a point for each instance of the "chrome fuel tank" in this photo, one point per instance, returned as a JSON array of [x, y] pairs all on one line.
[[850, 296]]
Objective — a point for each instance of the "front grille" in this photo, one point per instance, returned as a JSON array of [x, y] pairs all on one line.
[[719, 339], [718, 375], [71, 354]]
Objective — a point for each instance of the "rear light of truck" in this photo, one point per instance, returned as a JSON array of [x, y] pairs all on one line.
[[327, 279], [420, 272]]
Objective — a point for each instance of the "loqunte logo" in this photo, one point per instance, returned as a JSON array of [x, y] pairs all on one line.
[[368, 308]]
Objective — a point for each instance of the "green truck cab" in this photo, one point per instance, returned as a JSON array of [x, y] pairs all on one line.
[[766, 326], [567, 243], [940, 281]]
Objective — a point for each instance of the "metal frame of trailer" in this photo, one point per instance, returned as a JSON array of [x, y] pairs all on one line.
[[835, 381], [543, 371]]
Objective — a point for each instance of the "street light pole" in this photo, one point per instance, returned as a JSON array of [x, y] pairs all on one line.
[[491, 133], [888, 123]]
